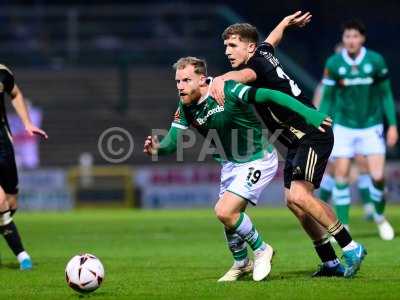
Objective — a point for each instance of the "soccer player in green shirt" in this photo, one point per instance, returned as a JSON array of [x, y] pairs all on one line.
[[363, 179], [248, 162], [356, 84]]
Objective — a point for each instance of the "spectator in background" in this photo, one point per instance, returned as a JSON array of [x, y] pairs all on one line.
[[26, 147]]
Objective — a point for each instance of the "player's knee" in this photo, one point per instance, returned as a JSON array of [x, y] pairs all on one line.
[[3, 203], [341, 172], [12, 202], [295, 198], [224, 215]]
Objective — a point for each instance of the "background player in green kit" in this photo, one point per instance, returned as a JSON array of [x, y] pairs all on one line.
[[360, 161], [248, 162], [356, 83]]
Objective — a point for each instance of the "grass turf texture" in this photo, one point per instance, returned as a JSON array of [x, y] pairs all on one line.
[[181, 254]]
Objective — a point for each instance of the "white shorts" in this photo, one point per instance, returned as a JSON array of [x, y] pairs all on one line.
[[350, 141], [249, 179]]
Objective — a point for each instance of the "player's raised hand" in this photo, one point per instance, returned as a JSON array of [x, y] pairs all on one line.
[[33, 130], [392, 136], [217, 90], [151, 145], [298, 19], [326, 122]]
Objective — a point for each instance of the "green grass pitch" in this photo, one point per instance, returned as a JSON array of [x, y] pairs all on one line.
[[180, 255]]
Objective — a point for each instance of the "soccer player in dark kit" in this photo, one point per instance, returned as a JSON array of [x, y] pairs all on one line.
[[308, 149], [8, 169]]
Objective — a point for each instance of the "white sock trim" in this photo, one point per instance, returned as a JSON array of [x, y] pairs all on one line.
[[353, 245], [23, 255], [5, 218]]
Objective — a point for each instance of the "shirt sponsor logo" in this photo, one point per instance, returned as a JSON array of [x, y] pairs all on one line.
[[357, 81], [211, 112]]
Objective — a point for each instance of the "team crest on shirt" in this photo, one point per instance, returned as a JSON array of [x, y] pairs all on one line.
[[342, 70], [367, 68]]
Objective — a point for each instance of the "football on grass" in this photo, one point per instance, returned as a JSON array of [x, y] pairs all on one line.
[[84, 273]]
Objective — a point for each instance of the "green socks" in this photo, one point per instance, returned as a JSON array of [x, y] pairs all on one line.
[[341, 201]]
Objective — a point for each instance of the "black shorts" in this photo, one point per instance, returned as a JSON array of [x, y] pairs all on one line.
[[8, 168], [309, 159]]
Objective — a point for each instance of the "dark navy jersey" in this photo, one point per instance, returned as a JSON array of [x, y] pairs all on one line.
[[6, 86], [270, 75]]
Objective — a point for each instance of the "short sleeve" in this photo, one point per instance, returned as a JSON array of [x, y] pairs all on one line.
[[238, 91], [382, 71], [6, 79], [266, 47], [260, 63], [180, 120]]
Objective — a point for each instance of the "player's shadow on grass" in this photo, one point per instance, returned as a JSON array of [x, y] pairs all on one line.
[[92, 295], [13, 266], [294, 274]]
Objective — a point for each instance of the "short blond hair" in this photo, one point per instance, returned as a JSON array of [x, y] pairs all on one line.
[[245, 31], [200, 65]]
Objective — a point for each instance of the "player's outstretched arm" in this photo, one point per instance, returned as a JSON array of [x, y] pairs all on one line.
[[392, 135], [167, 145], [297, 19], [20, 107], [329, 88], [326, 105], [262, 95], [217, 86]]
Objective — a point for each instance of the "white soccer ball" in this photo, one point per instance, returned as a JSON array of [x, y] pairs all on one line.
[[84, 273]]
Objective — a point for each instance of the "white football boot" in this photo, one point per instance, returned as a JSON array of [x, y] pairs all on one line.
[[386, 231], [236, 272], [262, 263]]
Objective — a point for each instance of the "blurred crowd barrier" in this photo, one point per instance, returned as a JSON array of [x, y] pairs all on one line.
[[149, 187]]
